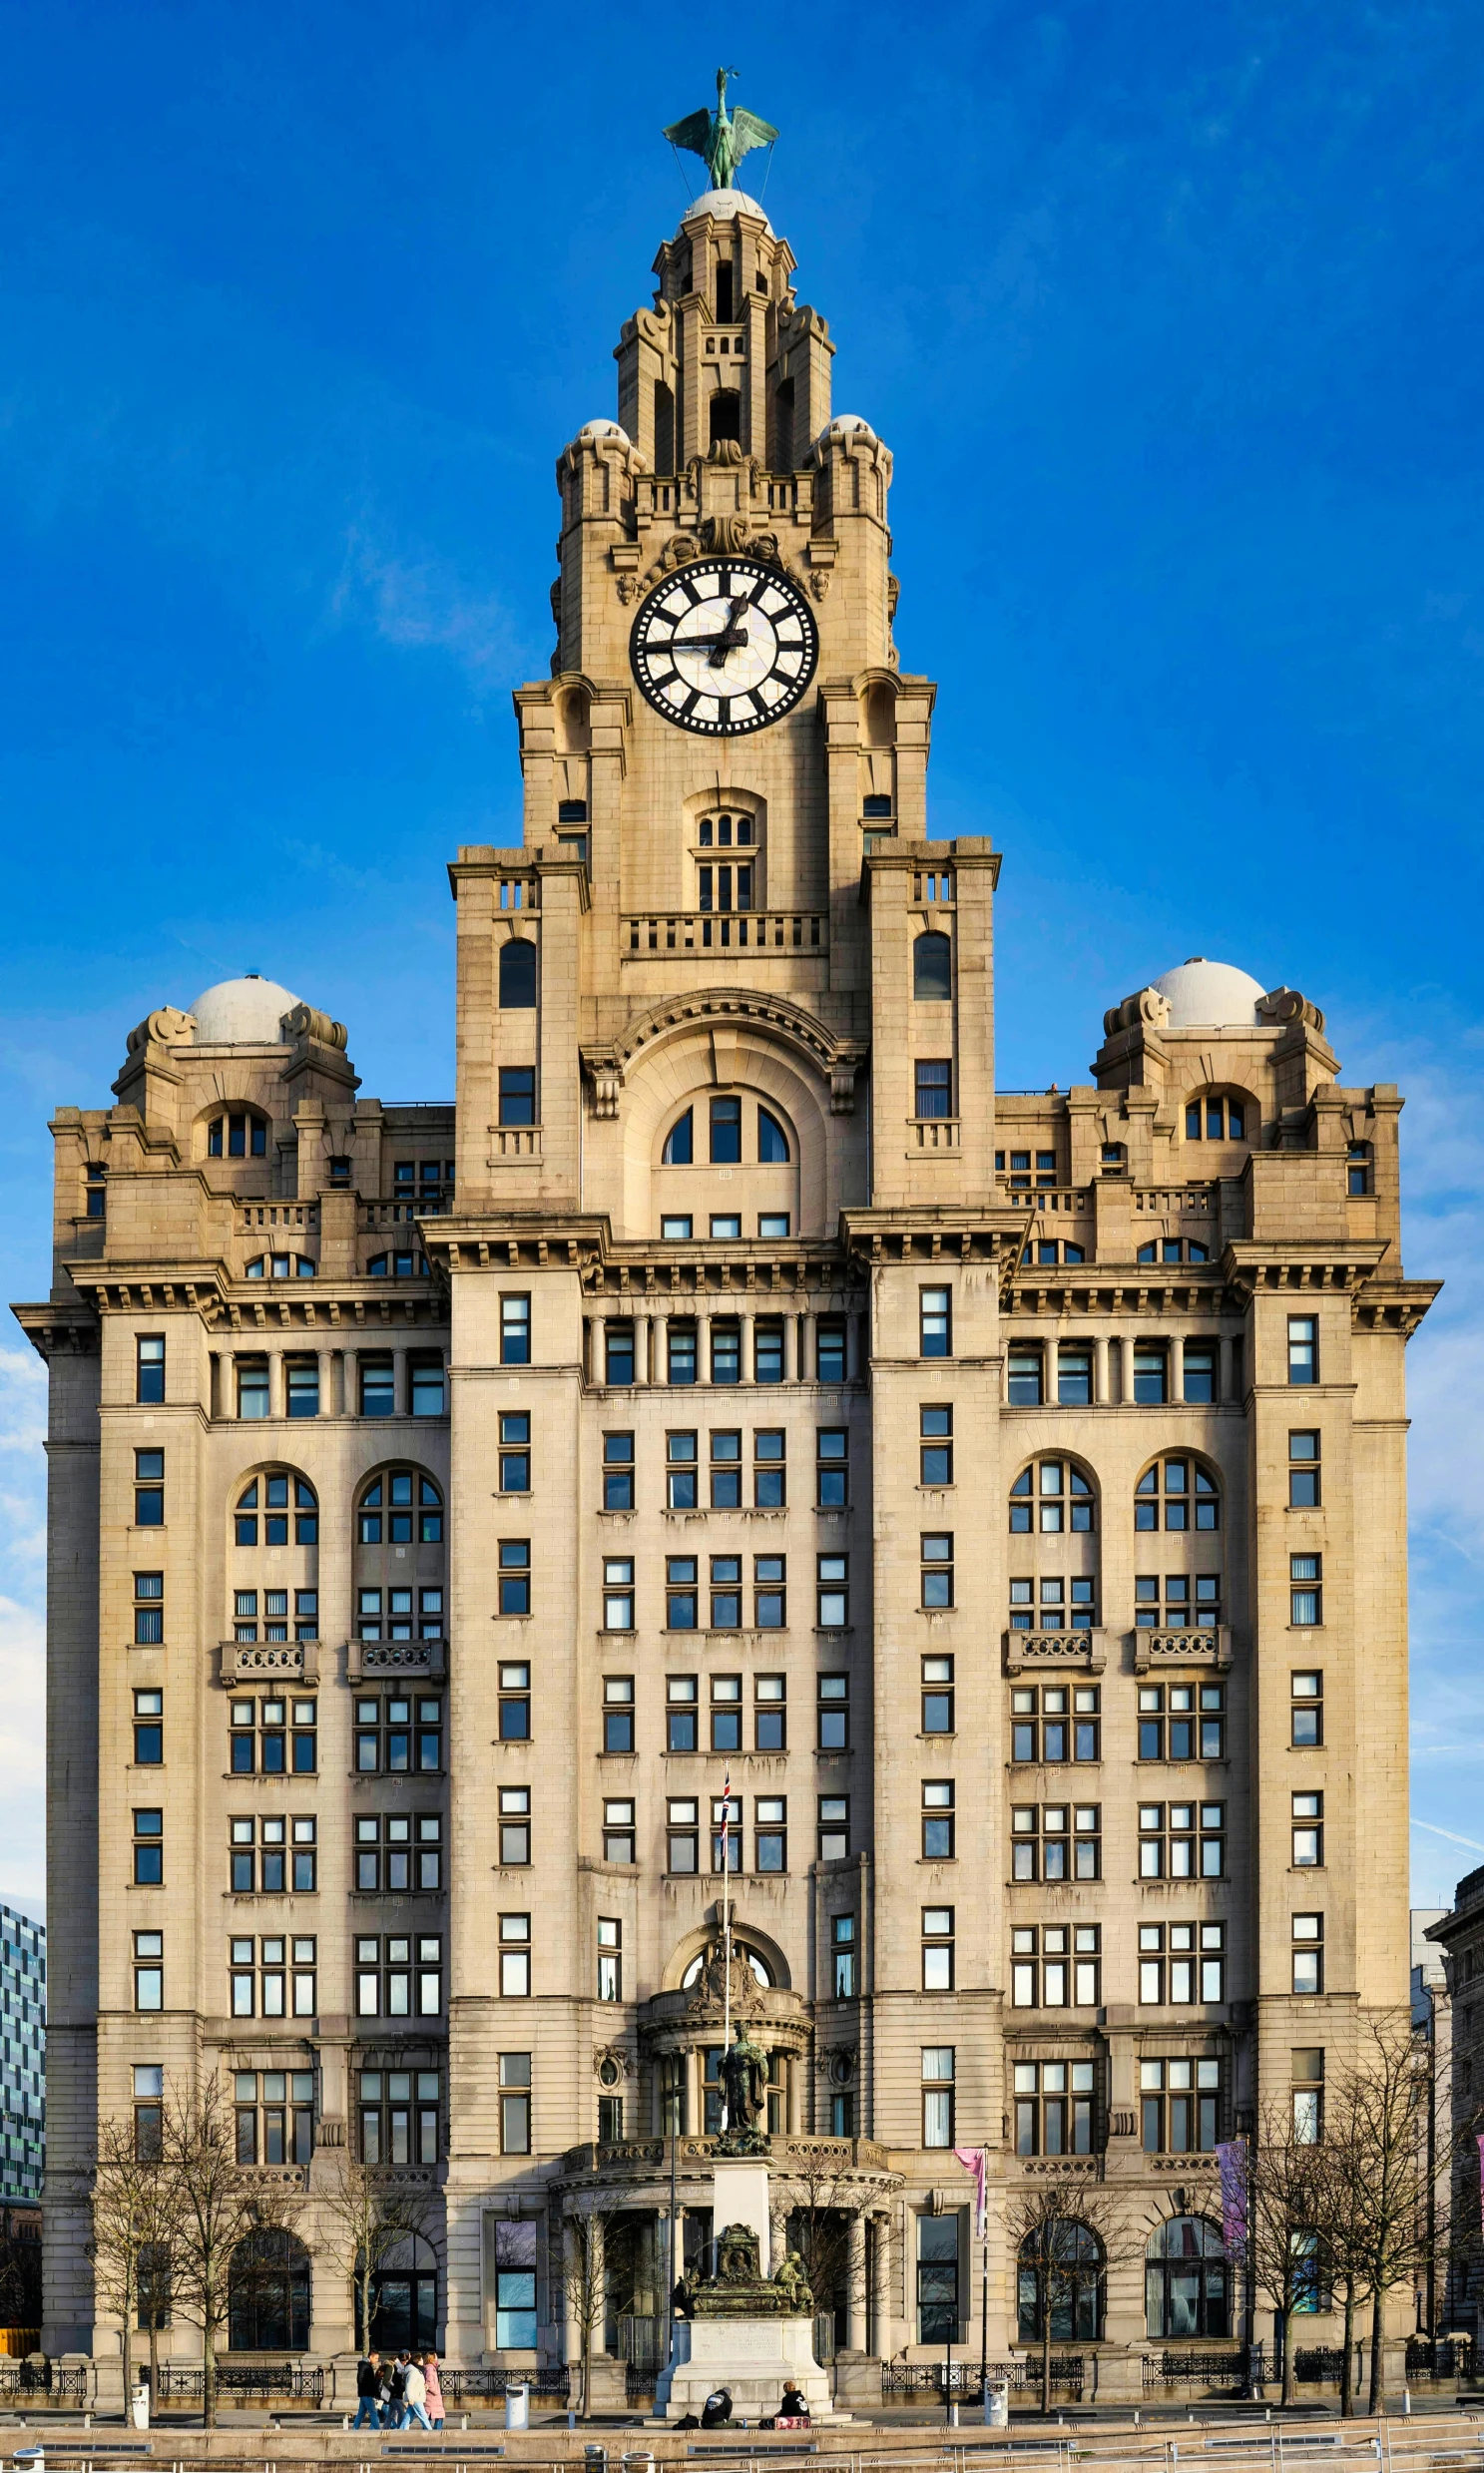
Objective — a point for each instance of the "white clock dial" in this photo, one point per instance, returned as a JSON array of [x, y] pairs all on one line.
[[725, 647]]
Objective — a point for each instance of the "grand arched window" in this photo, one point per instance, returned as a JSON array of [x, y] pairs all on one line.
[[517, 975], [401, 1582], [1187, 2281], [1065, 2258], [275, 1508], [269, 2294], [933, 968]]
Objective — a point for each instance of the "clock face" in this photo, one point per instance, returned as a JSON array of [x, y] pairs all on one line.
[[725, 647]]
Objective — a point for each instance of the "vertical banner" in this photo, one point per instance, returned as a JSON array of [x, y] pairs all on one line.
[[1232, 2160], [975, 2160]]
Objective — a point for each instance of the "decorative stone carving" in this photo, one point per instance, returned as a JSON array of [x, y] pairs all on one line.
[[167, 1026], [1284, 1004], [739, 2289], [306, 1022], [606, 1074], [709, 1992], [1148, 1007]]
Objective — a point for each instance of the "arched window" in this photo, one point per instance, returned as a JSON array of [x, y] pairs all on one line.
[[1177, 1493], [517, 975], [1052, 1496], [679, 1141], [280, 1267], [408, 1266], [398, 1506], [404, 2299], [237, 1136], [772, 1141], [264, 1510], [711, 1956], [933, 968], [1065, 2258], [1213, 1115], [1187, 2282], [269, 2294]]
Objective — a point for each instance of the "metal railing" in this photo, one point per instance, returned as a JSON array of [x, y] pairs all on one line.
[[961, 2378], [245, 2378], [488, 2386], [29, 2378], [1227, 2371]]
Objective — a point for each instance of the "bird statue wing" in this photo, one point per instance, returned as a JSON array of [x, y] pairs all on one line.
[[693, 132], [749, 131]]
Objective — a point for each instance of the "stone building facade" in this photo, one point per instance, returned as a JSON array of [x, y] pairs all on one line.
[[733, 1435]]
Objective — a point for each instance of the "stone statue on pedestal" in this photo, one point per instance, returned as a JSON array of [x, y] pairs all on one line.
[[745, 2090]]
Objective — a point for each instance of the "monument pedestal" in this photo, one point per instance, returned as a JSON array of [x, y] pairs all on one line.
[[753, 2357]]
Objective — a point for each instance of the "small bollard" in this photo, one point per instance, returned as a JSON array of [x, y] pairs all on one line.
[[1406, 2400], [953, 2412], [463, 2421]]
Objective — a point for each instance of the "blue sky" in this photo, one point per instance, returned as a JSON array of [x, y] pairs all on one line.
[[1172, 317]]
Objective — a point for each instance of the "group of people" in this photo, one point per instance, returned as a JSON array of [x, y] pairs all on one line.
[[398, 2392]]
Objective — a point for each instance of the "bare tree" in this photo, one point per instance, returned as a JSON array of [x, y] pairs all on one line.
[[584, 2277], [821, 2205], [1286, 2192], [221, 2205], [369, 2211], [20, 2272], [116, 2187], [1068, 2236]]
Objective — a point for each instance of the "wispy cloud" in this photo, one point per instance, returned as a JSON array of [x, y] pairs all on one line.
[[420, 602]]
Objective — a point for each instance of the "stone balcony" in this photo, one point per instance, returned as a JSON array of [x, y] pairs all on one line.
[[270, 1661], [1195, 1647], [653, 936], [416, 1659], [1026, 1652]]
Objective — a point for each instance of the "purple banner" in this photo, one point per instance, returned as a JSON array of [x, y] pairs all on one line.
[[1233, 2161]]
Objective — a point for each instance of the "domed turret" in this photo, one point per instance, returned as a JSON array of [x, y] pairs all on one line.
[[1215, 995]]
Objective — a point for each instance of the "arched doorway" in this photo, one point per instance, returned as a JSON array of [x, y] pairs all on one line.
[[405, 2297], [1187, 2281], [269, 2294], [1066, 2256]]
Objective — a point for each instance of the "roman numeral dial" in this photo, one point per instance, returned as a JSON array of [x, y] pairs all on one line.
[[725, 647]]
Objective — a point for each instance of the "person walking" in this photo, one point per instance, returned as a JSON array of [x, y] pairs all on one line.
[[434, 2387], [396, 2403], [415, 2393], [367, 2389]]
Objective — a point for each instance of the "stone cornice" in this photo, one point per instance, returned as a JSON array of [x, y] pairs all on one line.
[[834, 1056]]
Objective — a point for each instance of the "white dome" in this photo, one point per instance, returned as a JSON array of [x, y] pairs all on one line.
[[604, 429], [847, 425], [1210, 995], [243, 1013], [724, 203]]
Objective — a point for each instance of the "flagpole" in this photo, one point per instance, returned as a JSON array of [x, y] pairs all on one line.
[[726, 1935]]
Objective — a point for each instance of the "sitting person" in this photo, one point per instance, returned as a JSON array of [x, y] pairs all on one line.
[[794, 2406], [716, 2409]]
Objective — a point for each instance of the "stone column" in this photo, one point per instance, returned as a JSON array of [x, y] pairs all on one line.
[[1118, 1389], [1227, 1386], [1178, 1367], [856, 2286], [1100, 1370], [401, 1379], [330, 1406], [277, 1405], [880, 2284], [641, 1348]]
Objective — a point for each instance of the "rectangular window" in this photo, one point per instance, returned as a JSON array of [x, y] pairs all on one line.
[[770, 1596], [680, 1352], [727, 1843], [429, 1398], [835, 1828], [937, 1696], [149, 1489], [618, 1713], [515, 1330], [618, 1354], [770, 1833], [832, 1467], [934, 1085], [1201, 1372], [938, 2320], [833, 1599], [515, 1452], [1181, 1720], [1179, 2107], [618, 1830], [1151, 1373], [515, 1575], [681, 1594], [726, 1716], [1308, 2071], [1303, 1472], [149, 1970], [149, 1608], [148, 2110], [1357, 1168], [829, 1350], [400, 1975], [515, 1706], [767, 1352], [515, 1825], [937, 2095], [1308, 1953], [302, 1375], [397, 1735], [935, 1464], [149, 1372], [1305, 1597], [398, 2116], [1188, 1603], [770, 1469], [1303, 1349], [617, 1472], [610, 2133], [609, 1958], [1056, 1966], [1309, 1833], [681, 1472], [937, 1949], [935, 1323], [253, 1387], [936, 1574], [1306, 1717], [681, 1694], [618, 1592], [1180, 1964], [1074, 1378], [726, 1336], [683, 1836], [727, 1593], [1024, 1377], [149, 1730], [842, 1955], [938, 1821], [770, 1713], [725, 1470], [515, 2103], [379, 1397], [517, 1094], [834, 1733], [1181, 1841], [1049, 1723], [1056, 1841], [1054, 2102], [149, 1849]]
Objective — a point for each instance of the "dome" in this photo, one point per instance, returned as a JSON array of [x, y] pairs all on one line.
[[1210, 995], [724, 203], [243, 1013], [847, 425], [604, 429]]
